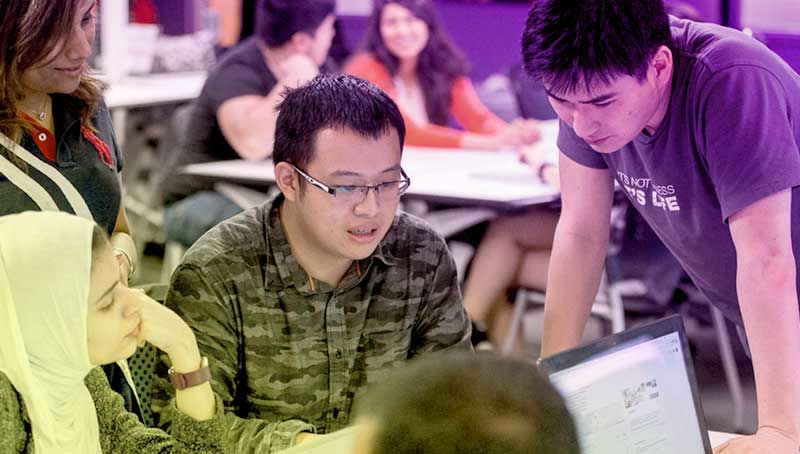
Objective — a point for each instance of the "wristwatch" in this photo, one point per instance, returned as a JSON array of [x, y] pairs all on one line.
[[190, 379]]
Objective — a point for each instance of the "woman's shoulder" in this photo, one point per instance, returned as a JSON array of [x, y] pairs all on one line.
[[8, 394], [367, 66], [12, 415]]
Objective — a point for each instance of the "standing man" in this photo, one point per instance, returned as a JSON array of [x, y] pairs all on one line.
[[234, 116], [304, 301], [700, 125]]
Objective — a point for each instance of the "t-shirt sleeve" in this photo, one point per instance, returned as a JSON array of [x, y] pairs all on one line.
[[468, 109], [576, 149], [233, 79], [747, 137]]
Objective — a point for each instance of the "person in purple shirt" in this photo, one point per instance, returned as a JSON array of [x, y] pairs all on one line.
[[699, 125]]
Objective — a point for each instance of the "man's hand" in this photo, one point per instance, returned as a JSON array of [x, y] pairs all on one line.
[[766, 441]]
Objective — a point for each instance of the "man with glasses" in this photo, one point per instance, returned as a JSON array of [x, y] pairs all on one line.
[[301, 303]]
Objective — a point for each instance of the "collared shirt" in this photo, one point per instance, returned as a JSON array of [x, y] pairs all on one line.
[[79, 159], [290, 353]]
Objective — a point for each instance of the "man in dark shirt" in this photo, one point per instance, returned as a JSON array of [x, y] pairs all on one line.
[[304, 301], [234, 117], [699, 126]]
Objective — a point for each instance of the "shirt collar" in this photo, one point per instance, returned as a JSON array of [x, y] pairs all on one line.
[[290, 271]]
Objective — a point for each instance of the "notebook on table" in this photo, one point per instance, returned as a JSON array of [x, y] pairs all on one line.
[[633, 392]]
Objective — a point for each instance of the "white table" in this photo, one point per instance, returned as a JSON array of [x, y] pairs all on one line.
[[495, 179], [154, 89], [468, 178]]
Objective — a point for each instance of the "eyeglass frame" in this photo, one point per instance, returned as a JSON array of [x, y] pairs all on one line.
[[375, 187]]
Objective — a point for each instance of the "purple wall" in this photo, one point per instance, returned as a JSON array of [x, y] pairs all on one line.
[[787, 46], [489, 33], [175, 16]]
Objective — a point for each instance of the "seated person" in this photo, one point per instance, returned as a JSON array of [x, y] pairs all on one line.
[[55, 331], [465, 404], [234, 116], [304, 301], [407, 54]]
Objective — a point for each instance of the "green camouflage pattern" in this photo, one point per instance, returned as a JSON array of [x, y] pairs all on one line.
[[120, 431], [309, 349]]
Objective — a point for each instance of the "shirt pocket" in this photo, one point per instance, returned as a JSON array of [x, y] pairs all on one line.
[[384, 352]]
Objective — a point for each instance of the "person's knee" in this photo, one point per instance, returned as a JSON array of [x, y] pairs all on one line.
[[187, 220]]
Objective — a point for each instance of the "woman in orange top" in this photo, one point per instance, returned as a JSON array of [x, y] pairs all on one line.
[[408, 55]]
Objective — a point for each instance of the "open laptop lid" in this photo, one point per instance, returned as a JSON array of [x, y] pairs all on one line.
[[633, 392]]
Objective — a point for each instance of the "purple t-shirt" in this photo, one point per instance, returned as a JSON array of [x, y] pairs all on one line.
[[730, 138]]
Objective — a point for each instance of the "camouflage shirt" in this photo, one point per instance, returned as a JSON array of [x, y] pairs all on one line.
[[289, 353]]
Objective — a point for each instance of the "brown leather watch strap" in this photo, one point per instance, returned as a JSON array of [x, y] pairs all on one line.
[[191, 379]]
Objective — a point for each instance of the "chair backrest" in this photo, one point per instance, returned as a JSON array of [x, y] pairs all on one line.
[[143, 363], [636, 253]]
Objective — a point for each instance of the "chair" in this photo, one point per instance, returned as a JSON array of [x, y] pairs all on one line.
[[608, 302], [730, 368], [144, 205]]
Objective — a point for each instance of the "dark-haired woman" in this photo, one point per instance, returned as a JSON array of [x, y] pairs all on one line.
[[57, 146], [407, 54]]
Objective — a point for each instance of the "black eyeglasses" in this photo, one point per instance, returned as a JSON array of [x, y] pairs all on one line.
[[353, 194]]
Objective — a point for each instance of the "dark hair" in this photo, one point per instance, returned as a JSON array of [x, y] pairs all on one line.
[[331, 101], [439, 64], [278, 20], [579, 44], [468, 403], [29, 32]]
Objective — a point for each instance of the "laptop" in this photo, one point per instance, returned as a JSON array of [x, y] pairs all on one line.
[[633, 392]]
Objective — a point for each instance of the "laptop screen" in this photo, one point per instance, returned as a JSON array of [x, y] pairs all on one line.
[[633, 392]]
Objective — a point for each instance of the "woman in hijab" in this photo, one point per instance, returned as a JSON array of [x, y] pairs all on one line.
[[64, 311]]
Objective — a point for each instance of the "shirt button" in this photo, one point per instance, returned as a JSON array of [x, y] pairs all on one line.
[[338, 356], [42, 137]]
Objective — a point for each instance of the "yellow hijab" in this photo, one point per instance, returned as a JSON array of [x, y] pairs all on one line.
[[45, 264]]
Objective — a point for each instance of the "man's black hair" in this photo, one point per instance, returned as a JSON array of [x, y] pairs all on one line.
[[278, 20], [577, 44], [468, 404], [332, 101]]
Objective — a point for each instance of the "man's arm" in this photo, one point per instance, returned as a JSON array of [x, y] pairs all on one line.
[[767, 288], [248, 122], [208, 308], [579, 251]]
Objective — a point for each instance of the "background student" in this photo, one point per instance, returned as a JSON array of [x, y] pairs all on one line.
[[234, 116], [407, 53]]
